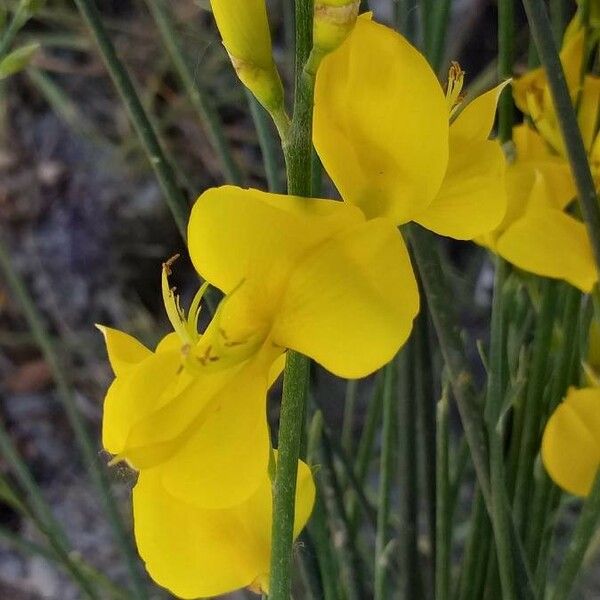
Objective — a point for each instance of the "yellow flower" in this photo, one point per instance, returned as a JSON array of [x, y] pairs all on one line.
[[571, 442], [532, 96], [197, 552], [244, 28], [307, 274], [382, 130], [193, 410], [537, 235]]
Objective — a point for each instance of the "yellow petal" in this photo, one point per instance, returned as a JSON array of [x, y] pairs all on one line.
[[238, 235], [474, 123], [350, 304], [197, 552], [221, 462], [124, 351], [588, 109], [550, 243], [381, 123], [571, 442], [137, 393], [472, 199]]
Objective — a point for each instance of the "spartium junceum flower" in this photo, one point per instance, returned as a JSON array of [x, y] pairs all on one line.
[[191, 417], [244, 29], [400, 149], [540, 233], [571, 441], [199, 553]]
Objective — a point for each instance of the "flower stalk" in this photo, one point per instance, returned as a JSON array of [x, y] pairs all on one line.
[[297, 145]]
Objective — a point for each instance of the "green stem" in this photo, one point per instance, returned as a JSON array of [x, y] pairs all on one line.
[[439, 27], [162, 168], [542, 34], [443, 522], [558, 14], [426, 412], [560, 383], [409, 486], [349, 414], [386, 479], [19, 18], [366, 444], [506, 34], [584, 532], [347, 552], [197, 96], [495, 398], [451, 345], [65, 394], [297, 150], [42, 515], [533, 409], [268, 146], [475, 560]]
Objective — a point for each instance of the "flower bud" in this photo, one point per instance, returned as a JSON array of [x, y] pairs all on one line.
[[333, 21], [244, 29]]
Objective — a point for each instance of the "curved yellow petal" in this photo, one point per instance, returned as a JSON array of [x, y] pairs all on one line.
[[381, 123], [571, 442], [124, 351], [240, 234], [351, 303], [474, 123], [196, 552], [472, 199], [227, 449], [589, 104], [548, 242], [137, 393]]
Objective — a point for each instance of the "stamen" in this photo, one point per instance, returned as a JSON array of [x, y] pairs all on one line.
[[456, 78], [171, 302]]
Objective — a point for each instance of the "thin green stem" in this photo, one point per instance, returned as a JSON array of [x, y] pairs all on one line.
[[42, 515], [585, 529], [409, 484], [475, 560], [560, 383], [558, 15], [533, 409], [386, 479], [495, 398], [267, 141], [365, 448], [426, 413], [196, 95], [506, 34], [174, 197], [351, 569], [17, 21], [297, 150], [349, 415], [96, 471], [451, 345], [542, 34], [443, 523], [439, 28]]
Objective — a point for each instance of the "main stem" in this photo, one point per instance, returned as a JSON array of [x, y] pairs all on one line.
[[297, 149]]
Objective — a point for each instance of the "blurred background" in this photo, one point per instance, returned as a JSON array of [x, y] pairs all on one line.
[[85, 224]]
